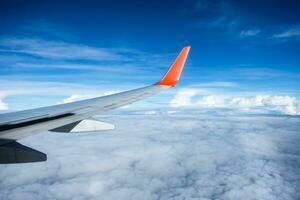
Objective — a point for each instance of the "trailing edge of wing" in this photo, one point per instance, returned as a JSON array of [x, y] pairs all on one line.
[[173, 75]]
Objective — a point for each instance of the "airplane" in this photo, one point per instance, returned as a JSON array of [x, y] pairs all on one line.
[[74, 117]]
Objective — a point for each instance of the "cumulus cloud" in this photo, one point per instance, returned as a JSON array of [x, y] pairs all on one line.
[[77, 97], [3, 105], [211, 101], [21, 93], [255, 103], [183, 98], [285, 104], [165, 157]]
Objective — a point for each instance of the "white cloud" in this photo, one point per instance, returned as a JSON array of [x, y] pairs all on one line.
[[249, 33], [3, 105], [150, 112], [171, 112], [216, 84], [284, 104], [288, 34], [164, 157], [256, 103], [57, 49], [124, 68], [21, 94], [109, 92], [37, 53], [211, 101], [77, 97], [183, 98]]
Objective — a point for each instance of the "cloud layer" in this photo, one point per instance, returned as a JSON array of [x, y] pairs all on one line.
[[165, 157]]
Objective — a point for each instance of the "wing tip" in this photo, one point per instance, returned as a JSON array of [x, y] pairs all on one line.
[[173, 75]]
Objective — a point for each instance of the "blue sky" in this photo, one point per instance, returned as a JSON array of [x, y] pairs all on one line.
[[52, 52]]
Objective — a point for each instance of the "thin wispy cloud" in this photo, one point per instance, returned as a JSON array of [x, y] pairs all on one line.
[[291, 33], [40, 54], [57, 49], [232, 19], [249, 33], [217, 84], [252, 72], [124, 68], [214, 14]]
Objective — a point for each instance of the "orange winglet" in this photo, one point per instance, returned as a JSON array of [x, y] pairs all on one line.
[[173, 74]]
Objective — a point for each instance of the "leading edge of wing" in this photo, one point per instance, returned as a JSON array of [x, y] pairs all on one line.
[[103, 103], [173, 75]]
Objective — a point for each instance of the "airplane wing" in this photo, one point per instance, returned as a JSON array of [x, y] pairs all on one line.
[[72, 117]]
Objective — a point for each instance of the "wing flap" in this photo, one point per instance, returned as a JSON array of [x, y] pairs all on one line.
[[87, 125]]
